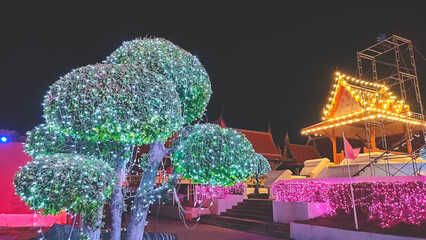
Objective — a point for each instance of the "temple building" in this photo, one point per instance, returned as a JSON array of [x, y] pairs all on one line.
[[369, 113], [288, 156], [297, 154]]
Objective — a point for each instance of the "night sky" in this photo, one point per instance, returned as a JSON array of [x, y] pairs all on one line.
[[269, 62]]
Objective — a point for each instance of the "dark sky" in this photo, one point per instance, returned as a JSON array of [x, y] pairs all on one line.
[[270, 62]]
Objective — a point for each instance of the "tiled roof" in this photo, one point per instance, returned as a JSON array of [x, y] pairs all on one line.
[[262, 143], [302, 153]]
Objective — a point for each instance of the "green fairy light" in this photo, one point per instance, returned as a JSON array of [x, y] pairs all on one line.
[[74, 183], [174, 63], [45, 140], [261, 164], [209, 154], [113, 102]]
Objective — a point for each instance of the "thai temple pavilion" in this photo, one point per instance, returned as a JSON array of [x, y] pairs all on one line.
[[289, 156], [365, 111]]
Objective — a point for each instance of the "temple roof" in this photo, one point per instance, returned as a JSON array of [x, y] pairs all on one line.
[[297, 152], [353, 101], [301, 153], [351, 96], [262, 142]]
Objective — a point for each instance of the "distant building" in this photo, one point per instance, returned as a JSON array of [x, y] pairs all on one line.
[[296, 155], [292, 156]]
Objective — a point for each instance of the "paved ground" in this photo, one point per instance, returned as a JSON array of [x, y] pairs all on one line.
[[201, 231], [18, 233]]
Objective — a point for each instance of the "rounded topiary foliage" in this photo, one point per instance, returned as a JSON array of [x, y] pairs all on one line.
[[46, 140], [209, 154], [112, 102], [58, 182], [261, 164], [185, 70]]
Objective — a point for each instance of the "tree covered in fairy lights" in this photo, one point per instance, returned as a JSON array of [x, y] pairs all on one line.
[[143, 93], [123, 103], [67, 182], [114, 102], [262, 166], [209, 154], [185, 70], [46, 140]]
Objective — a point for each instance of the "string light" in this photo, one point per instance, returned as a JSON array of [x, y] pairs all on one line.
[[44, 140], [110, 102], [261, 164], [376, 101], [49, 184], [203, 192], [181, 67], [210, 155], [389, 203]]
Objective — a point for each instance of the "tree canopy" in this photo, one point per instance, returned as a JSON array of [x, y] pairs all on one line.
[[262, 165], [45, 140], [75, 183], [209, 154], [113, 102], [174, 63]]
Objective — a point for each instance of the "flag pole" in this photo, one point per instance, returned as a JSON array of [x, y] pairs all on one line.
[[351, 188]]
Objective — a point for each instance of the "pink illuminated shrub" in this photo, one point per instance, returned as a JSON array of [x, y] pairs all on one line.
[[203, 192], [292, 191]]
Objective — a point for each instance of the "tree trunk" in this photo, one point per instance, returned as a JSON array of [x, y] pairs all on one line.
[[93, 232], [117, 201], [143, 198], [257, 186]]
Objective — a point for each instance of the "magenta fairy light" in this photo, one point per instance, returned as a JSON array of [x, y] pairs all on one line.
[[387, 202], [203, 192]]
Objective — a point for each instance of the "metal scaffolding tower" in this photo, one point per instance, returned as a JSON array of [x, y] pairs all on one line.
[[391, 62]]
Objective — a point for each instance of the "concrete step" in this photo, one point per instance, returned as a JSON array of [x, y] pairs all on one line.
[[249, 204], [260, 203], [252, 208], [243, 210], [248, 215], [249, 225]]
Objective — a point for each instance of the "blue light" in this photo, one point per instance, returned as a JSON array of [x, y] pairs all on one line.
[[3, 139]]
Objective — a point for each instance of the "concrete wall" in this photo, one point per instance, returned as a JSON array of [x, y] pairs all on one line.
[[285, 212], [220, 205], [306, 232], [396, 169]]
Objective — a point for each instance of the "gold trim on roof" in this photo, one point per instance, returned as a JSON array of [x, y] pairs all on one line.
[[375, 101]]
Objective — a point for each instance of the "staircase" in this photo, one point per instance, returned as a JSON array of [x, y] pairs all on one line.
[[251, 215]]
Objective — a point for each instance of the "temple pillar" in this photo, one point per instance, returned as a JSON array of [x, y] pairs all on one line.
[[333, 141], [373, 139], [408, 141], [409, 148]]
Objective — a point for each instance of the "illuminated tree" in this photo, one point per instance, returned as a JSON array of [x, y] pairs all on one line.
[[209, 154], [125, 104], [262, 166], [113, 102], [181, 67], [193, 87], [142, 94], [46, 140], [74, 183]]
